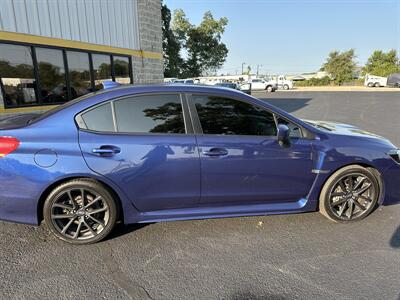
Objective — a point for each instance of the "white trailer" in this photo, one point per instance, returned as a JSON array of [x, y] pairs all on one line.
[[375, 81]]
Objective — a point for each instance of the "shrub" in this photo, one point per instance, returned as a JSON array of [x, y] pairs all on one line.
[[315, 82]]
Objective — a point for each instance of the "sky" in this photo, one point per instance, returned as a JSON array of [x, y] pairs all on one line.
[[293, 37]]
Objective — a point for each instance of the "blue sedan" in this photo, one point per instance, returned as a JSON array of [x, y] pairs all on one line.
[[162, 153]]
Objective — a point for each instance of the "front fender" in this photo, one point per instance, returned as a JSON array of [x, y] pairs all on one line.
[[328, 160]]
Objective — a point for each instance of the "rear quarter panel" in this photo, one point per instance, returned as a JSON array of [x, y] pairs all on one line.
[[46, 154]]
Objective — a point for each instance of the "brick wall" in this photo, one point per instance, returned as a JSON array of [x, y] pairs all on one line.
[[147, 70]]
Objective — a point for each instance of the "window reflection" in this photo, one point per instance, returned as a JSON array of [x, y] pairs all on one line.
[[17, 75], [101, 69], [232, 117], [52, 75], [79, 73], [20, 86], [150, 114], [121, 70]]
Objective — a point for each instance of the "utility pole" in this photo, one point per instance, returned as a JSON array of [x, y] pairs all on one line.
[[258, 69], [243, 67]]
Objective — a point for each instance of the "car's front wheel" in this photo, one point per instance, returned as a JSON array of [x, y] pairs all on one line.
[[80, 211], [350, 194], [270, 89]]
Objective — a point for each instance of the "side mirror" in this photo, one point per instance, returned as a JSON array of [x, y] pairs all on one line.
[[283, 135]]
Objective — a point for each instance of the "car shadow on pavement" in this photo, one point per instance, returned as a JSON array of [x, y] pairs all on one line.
[[289, 105], [121, 229], [395, 240]]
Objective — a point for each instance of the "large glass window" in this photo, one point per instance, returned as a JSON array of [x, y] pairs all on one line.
[[232, 117], [20, 86], [99, 118], [121, 70], [150, 114], [52, 75], [101, 69], [79, 73], [17, 75]]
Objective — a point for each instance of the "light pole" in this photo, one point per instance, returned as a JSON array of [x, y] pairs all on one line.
[[242, 67]]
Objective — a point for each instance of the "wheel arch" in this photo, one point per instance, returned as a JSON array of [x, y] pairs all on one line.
[[52, 186]]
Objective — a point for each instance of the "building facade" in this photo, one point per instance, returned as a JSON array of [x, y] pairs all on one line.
[[52, 51]]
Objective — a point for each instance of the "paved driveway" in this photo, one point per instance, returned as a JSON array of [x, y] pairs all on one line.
[[275, 257]]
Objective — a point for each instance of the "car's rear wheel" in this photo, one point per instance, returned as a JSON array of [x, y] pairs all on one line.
[[377, 84], [80, 211], [270, 89], [350, 194]]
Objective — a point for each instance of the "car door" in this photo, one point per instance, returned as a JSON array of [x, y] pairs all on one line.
[[143, 144], [256, 84], [241, 159]]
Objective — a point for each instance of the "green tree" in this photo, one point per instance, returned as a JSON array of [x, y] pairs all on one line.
[[202, 44], [341, 66], [382, 64], [171, 46]]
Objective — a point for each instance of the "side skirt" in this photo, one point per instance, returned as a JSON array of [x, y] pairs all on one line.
[[196, 213]]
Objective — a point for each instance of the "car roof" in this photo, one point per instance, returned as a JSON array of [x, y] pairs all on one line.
[[167, 87]]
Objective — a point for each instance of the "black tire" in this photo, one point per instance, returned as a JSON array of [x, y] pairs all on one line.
[[93, 218], [286, 87], [270, 89], [341, 199], [370, 84], [377, 84]]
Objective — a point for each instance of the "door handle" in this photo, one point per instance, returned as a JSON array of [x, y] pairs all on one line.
[[106, 150], [216, 152]]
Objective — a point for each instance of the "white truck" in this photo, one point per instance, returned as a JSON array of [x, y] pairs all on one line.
[[262, 84], [283, 83], [375, 81]]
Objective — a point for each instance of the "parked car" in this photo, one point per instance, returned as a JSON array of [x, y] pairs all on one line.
[[229, 85], [185, 81], [170, 80], [244, 87], [262, 84], [394, 80], [375, 81], [177, 152]]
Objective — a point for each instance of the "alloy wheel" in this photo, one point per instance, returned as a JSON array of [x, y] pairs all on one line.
[[352, 196], [79, 214]]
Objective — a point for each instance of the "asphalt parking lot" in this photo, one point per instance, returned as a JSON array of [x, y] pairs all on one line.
[[274, 257]]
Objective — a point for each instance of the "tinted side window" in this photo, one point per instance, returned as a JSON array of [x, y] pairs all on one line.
[[227, 116], [150, 114], [99, 118]]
